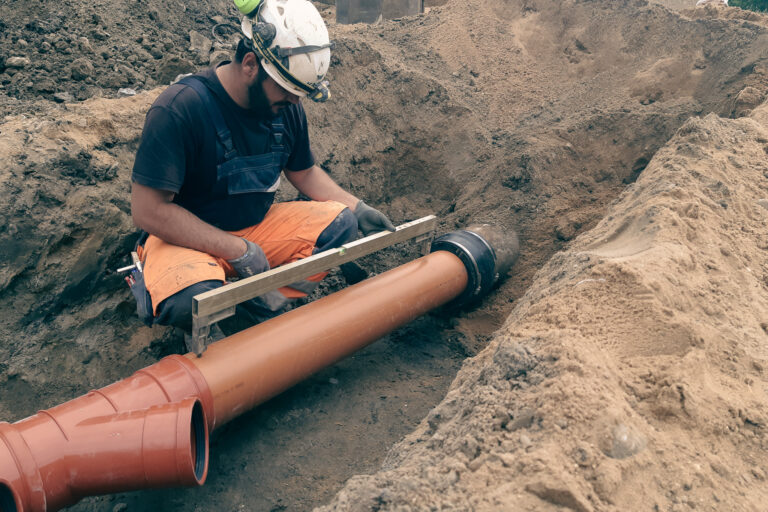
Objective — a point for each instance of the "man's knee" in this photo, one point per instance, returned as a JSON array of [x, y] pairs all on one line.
[[176, 310], [343, 229]]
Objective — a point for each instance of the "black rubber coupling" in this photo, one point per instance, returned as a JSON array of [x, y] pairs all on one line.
[[479, 259]]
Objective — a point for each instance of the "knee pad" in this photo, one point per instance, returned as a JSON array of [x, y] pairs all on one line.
[[176, 310]]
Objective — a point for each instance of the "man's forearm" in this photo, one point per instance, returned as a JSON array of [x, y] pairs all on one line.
[[176, 225], [317, 185]]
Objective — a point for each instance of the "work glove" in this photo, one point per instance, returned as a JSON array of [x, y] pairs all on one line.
[[370, 220], [253, 262]]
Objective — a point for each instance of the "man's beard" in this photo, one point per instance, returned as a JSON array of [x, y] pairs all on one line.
[[258, 99]]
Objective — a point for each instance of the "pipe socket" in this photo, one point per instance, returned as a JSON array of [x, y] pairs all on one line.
[[49, 463], [487, 255]]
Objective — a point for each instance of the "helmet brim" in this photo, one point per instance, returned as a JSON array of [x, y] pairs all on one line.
[[272, 71]]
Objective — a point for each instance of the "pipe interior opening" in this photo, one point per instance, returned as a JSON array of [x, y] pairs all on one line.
[[199, 441], [7, 502]]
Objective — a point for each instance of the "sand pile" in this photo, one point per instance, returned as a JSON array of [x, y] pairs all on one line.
[[537, 115], [631, 376]]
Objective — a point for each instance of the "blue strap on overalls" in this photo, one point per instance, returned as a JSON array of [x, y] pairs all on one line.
[[220, 125]]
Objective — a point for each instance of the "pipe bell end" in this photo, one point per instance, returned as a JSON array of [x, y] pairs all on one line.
[[488, 254]]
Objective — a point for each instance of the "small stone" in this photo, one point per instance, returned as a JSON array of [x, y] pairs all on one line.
[[333, 381], [626, 442], [763, 203], [746, 100], [84, 44], [126, 91], [62, 47], [45, 85], [99, 34], [566, 229], [129, 73], [113, 81], [120, 507], [21, 43], [525, 441], [81, 69], [17, 62], [523, 419], [156, 52], [199, 43], [63, 97], [143, 55], [45, 47], [172, 67]]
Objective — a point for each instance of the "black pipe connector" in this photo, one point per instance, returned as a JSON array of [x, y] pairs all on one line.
[[479, 259], [488, 254]]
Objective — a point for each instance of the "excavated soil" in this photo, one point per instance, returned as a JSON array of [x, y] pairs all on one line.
[[621, 366]]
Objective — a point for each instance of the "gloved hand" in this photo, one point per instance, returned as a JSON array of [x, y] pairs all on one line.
[[370, 220], [253, 262]]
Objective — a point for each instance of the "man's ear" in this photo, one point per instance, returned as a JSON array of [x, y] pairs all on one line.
[[251, 65]]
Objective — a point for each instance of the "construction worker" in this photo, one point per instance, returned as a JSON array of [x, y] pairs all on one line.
[[209, 163]]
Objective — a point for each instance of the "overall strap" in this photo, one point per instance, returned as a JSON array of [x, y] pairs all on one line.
[[222, 130]]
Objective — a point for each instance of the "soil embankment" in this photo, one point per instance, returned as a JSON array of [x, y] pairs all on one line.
[[629, 357]]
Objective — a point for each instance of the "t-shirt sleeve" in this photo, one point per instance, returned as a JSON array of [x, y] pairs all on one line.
[[301, 158], [161, 159]]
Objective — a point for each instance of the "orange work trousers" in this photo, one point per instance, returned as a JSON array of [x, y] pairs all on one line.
[[288, 233]]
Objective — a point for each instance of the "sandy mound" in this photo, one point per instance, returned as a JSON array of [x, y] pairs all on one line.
[[632, 371], [534, 115]]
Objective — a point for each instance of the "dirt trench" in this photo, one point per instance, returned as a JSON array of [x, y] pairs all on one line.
[[531, 115]]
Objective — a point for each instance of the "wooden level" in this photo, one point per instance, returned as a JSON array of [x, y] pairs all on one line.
[[214, 301]]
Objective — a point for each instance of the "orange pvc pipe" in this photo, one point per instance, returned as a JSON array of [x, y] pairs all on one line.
[[54, 458], [254, 365]]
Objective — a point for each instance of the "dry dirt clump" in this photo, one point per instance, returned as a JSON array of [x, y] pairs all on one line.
[[72, 50], [532, 115], [631, 376]]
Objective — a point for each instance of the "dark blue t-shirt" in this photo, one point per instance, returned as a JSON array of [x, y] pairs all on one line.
[[178, 152]]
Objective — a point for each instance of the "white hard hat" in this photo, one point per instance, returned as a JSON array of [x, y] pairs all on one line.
[[299, 53]]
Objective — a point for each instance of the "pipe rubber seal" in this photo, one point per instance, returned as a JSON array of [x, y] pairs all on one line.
[[479, 259]]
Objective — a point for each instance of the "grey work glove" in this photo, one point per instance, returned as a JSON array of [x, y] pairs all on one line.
[[253, 262], [370, 220]]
